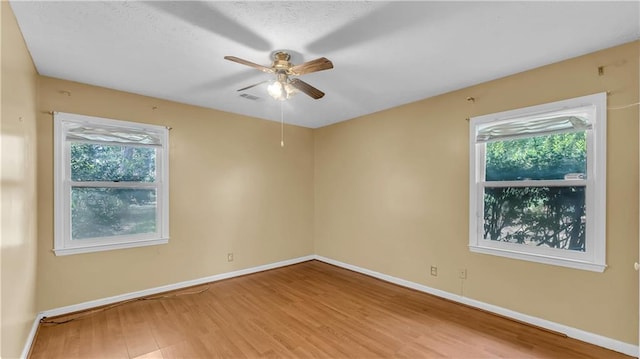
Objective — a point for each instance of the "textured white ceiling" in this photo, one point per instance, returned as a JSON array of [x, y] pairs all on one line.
[[385, 53]]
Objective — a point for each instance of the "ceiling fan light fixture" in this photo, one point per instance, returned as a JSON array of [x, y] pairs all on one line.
[[290, 90], [277, 90], [281, 89]]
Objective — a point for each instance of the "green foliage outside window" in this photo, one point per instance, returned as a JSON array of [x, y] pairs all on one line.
[[97, 162], [536, 158], [551, 216], [111, 211]]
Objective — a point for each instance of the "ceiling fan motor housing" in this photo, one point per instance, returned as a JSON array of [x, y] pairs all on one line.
[[281, 61]]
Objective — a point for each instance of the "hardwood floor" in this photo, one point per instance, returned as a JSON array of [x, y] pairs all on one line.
[[311, 309]]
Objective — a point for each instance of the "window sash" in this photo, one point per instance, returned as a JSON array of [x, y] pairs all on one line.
[[157, 162], [535, 183], [525, 251], [115, 184], [104, 240], [566, 197]]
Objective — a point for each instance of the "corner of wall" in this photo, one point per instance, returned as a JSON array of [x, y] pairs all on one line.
[[18, 155]]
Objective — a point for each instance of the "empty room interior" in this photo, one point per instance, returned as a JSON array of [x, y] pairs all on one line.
[[320, 179]]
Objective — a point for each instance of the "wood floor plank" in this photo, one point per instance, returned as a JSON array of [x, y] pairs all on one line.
[[308, 310], [136, 328], [153, 355]]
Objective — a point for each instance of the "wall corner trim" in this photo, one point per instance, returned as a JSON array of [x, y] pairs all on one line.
[[31, 337], [596, 339]]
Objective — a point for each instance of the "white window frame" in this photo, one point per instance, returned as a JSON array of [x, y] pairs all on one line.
[[63, 244], [594, 256]]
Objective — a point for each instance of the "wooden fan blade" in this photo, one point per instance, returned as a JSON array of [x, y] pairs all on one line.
[[250, 86], [249, 63], [311, 66], [306, 88]]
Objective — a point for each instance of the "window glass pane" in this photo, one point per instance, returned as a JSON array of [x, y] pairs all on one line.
[[537, 216], [537, 158], [98, 162], [105, 212]]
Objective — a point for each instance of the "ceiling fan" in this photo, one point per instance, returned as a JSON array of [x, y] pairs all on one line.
[[284, 86]]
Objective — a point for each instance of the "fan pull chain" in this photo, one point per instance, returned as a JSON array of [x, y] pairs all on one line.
[[281, 124]]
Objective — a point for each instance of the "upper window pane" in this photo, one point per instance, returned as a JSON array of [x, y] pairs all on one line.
[[550, 157], [100, 162]]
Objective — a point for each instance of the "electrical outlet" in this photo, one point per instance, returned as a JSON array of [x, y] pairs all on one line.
[[462, 273], [229, 257], [434, 271]]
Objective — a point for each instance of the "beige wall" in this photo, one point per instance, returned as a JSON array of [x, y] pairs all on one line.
[[386, 192], [232, 189], [18, 188], [391, 195]]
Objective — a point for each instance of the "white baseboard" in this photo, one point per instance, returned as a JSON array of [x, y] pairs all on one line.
[[151, 291], [170, 287], [582, 335], [571, 332], [31, 337]]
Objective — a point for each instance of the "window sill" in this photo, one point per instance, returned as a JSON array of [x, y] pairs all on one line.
[[108, 247], [538, 258]]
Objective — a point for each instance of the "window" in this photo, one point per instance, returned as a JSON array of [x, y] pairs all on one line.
[[111, 184], [537, 183]]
